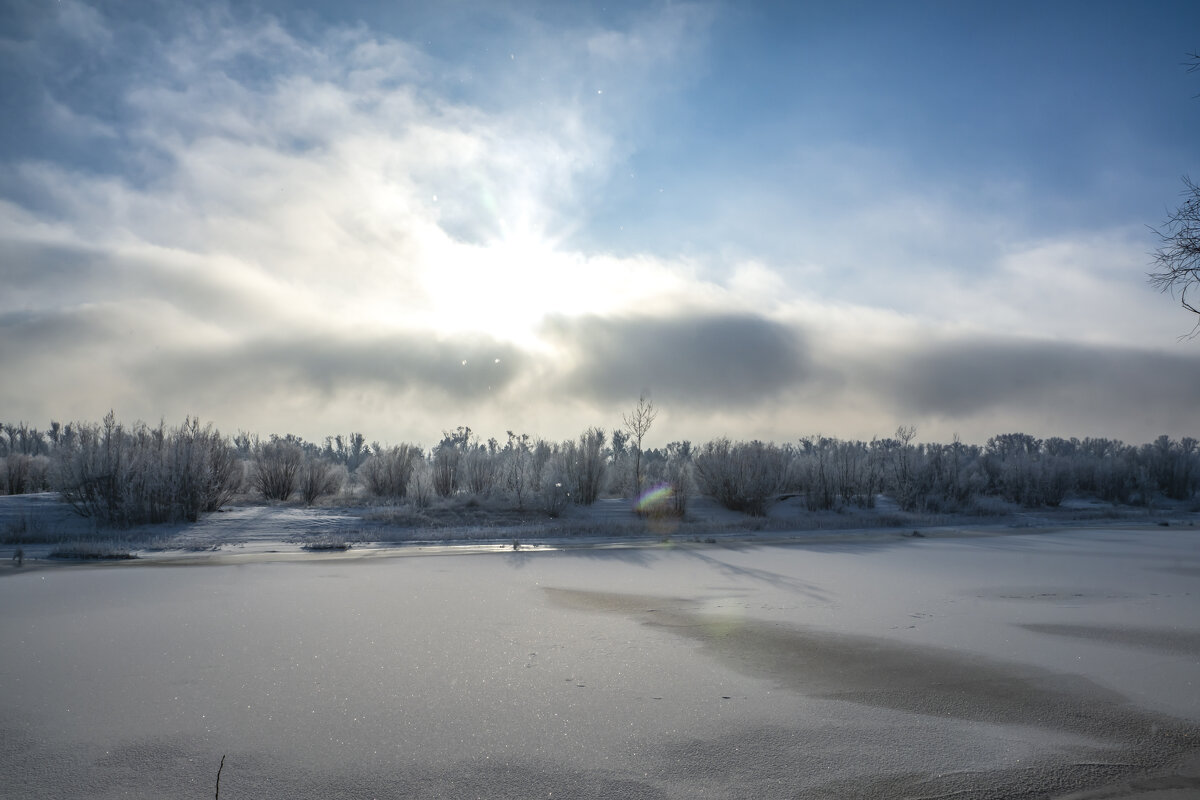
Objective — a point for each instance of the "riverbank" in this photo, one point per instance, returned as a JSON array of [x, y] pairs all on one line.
[[46, 530]]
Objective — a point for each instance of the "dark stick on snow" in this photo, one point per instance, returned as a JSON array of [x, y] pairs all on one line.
[[217, 796]]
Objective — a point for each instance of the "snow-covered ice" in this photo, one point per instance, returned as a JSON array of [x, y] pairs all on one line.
[[992, 666]]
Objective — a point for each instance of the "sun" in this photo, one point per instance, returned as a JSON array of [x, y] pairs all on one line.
[[506, 287]]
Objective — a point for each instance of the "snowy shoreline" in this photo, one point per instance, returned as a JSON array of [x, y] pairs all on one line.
[[40, 525]]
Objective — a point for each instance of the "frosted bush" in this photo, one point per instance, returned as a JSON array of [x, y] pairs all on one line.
[[586, 465], [319, 478], [22, 473], [276, 468], [131, 476], [420, 484], [388, 472], [742, 476]]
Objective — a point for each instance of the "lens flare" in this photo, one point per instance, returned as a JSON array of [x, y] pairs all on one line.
[[655, 499]]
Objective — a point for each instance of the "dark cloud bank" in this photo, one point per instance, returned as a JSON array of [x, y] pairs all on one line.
[[707, 360], [694, 365], [728, 362], [465, 368], [964, 378]]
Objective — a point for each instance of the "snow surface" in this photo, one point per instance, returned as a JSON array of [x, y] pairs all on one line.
[[984, 666]]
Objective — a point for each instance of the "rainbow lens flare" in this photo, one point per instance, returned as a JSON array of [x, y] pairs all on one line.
[[655, 499]]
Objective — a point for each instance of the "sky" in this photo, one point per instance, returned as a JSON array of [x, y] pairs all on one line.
[[774, 219]]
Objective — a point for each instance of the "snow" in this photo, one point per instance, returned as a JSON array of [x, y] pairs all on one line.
[[862, 666]]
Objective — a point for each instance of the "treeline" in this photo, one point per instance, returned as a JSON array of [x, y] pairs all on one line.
[[128, 475]]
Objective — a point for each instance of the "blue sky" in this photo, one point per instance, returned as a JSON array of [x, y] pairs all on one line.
[[778, 219]]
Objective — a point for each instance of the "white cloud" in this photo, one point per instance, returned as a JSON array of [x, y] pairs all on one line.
[[315, 233], [289, 192]]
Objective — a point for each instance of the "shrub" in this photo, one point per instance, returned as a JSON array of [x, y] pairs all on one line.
[[420, 484], [741, 476], [224, 473], [679, 475], [445, 470], [556, 492], [586, 466], [517, 466], [24, 473], [327, 542], [554, 498], [318, 478], [140, 475], [481, 468], [387, 473], [92, 551], [276, 467]]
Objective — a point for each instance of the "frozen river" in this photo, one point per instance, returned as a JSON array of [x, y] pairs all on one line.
[[988, 666]]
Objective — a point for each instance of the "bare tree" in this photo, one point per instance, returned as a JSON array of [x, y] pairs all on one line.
[[447, 461], [1177, 260], [517, 466], [679, 475], [904, 467], [638, 424]]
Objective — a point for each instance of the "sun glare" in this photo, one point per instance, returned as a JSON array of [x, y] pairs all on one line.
[[505, 288]]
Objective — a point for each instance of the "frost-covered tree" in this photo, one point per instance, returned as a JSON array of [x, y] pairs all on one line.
[[637, 425], [481, 467], [420, 483], [586, 465], [518, 467], [21, 473], [556, 490], [679, 475], [447, 461], [542, 453]]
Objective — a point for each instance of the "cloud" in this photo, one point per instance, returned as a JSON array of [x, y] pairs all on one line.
[[462, 369], [704, 360], [312, 231], [339, 166], [982, 385], [144, 361], [27, 337], [964, 378], [303, 218]]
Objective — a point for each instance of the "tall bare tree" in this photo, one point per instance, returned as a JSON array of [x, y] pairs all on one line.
[[1177, 260], [638, 425]]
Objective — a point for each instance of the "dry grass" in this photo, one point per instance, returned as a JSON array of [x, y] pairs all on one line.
[[327, 542], [23, 529], [102, 550]]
